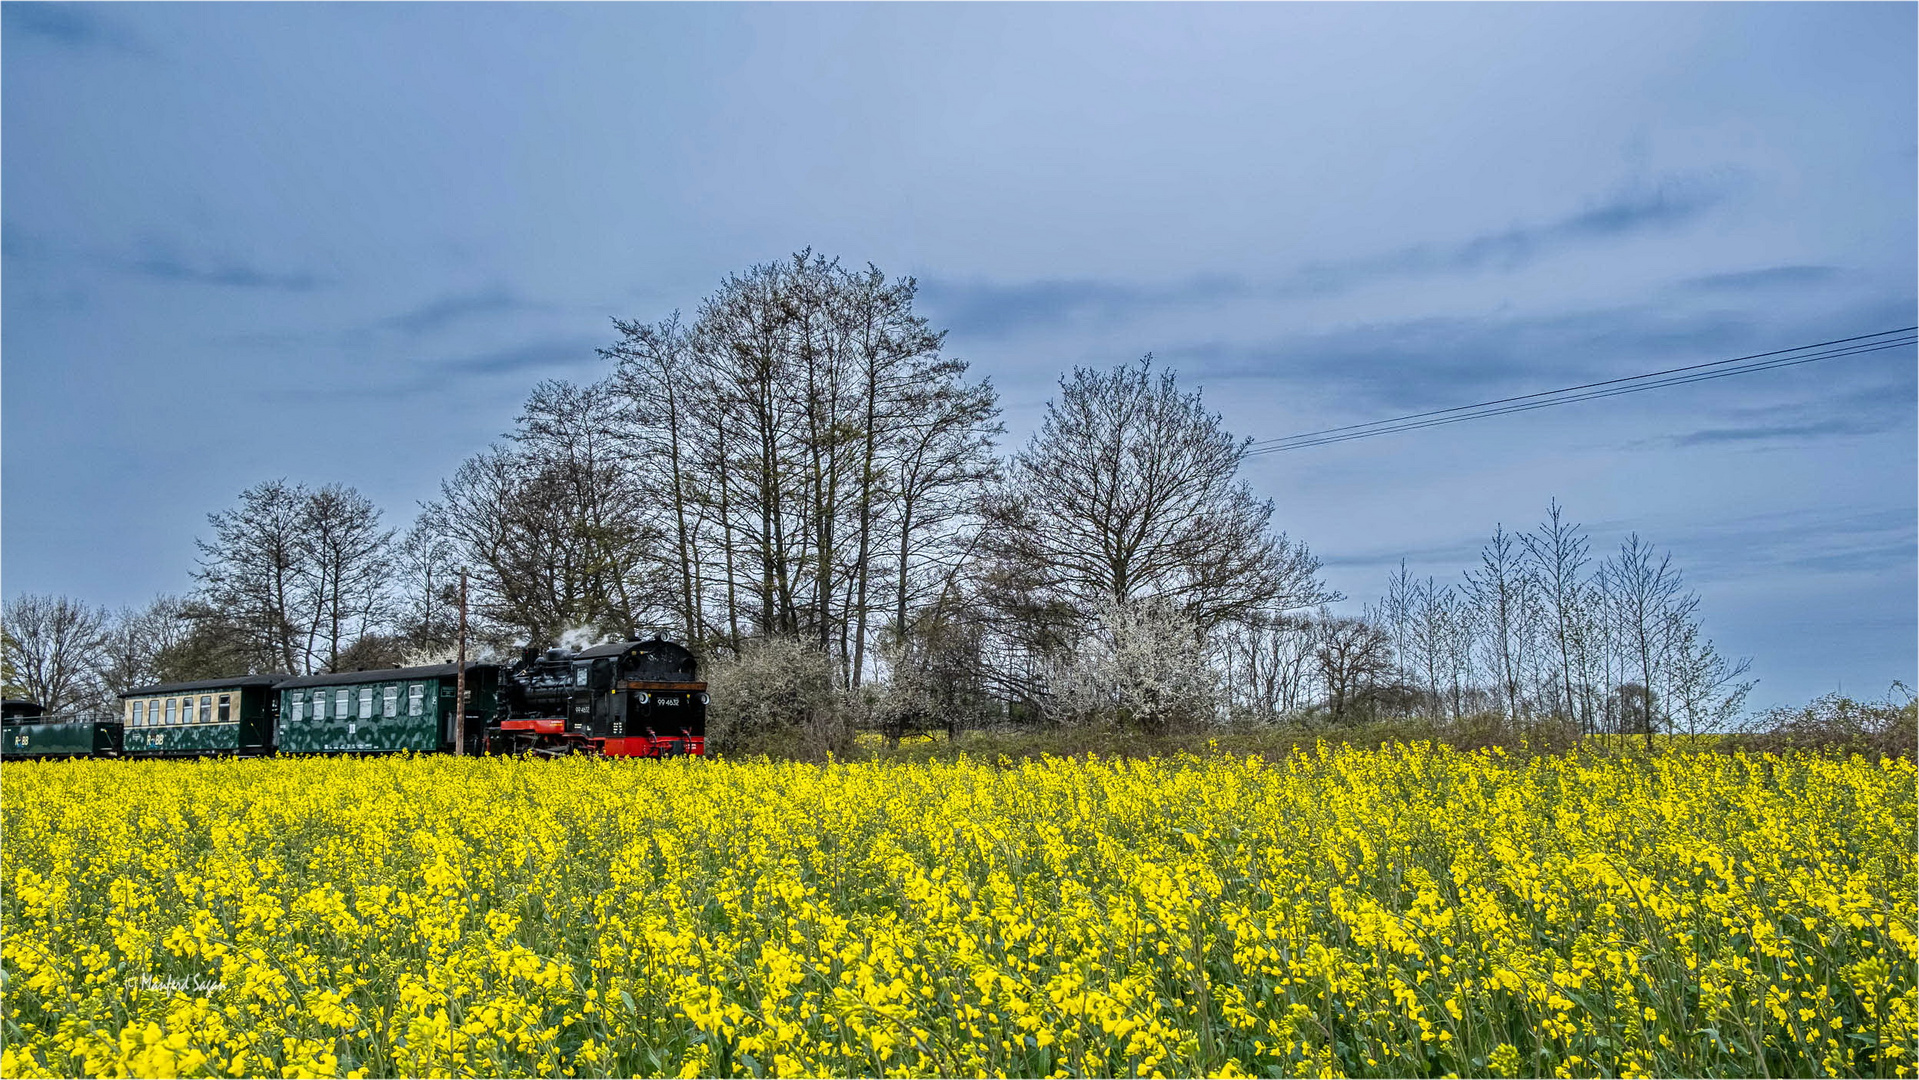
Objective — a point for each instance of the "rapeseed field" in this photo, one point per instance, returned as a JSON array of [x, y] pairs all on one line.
[[1400, 912]]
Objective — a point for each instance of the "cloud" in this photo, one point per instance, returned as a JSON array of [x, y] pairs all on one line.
[[994, 310], [1462, 553], [1447, 361], [1867, 542], [1673, 203], [447, 310], [1394, 367], [1776, 432], [72, 26], [1865, 410], [563, 352], [163, 266], [1772, 277], [990, 310], [403, 376]]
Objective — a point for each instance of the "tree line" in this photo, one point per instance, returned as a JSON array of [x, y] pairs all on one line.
[[800, 476], [1540, 629]]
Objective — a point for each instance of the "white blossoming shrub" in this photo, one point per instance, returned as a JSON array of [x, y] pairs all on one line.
[[1144, 666]]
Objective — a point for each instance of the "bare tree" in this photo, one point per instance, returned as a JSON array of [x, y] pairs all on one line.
[[1556, 554], [1130, 490], [816, 450], [1646, 589], [1269, 663], [256, 571], [656, 376], [553, 526], [1706, 690], [347, 561], [53, 647], [1502, 594], [1434, 613], [138, 646], [426, 568], [1352, 654]]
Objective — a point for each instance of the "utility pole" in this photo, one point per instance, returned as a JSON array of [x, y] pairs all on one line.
[[459, 677]]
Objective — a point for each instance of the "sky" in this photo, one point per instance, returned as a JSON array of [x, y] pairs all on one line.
[[339, 243]]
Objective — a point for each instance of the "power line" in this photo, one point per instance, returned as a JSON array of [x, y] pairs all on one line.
[[1603, 382], [1652, 380]]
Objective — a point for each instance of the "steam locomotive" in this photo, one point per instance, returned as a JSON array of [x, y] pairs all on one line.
[[625, 699]]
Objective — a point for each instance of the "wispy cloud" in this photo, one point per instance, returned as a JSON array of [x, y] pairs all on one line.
[[1783, 432], [390, 377], [1881, 405], [445, 311], [71, 26], [1663, 207], [531, 356], [1864, 542], [1771, 277], [162, 264], [996, 310], [1432, 362]]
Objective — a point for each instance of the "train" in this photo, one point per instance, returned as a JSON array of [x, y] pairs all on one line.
[[632, 699]]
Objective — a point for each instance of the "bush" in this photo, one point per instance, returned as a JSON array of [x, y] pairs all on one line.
[[778, 697], [1837, 724], [1141, 668]]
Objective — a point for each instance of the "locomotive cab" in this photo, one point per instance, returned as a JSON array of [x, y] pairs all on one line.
[[649, 699]]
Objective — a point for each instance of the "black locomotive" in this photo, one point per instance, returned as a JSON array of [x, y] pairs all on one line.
[[626, 699]]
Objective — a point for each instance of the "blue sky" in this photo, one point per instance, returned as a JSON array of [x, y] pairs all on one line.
[[339, 243]]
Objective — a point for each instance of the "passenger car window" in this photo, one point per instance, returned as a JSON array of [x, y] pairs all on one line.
[[139, 714], [391, 707], [415, 700], [319, 704], [206, 708], [226, 707], [366, 703], [186, 710], [342, 705], [169, 710]]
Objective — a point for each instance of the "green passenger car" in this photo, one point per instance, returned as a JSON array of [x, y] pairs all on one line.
[[27, 733], [233, 715], [383, 711]]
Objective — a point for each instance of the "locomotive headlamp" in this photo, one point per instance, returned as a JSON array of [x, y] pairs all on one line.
[[702, 699], [642, 697]]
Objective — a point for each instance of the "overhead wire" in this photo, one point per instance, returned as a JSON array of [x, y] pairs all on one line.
[[1605, 388]]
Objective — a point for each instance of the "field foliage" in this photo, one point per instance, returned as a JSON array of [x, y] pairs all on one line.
[[1409, 911]]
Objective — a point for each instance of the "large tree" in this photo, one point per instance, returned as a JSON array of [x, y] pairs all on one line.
[[291, 576], [810, 452], [1131, 489], [255, 571], [53, 650]]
